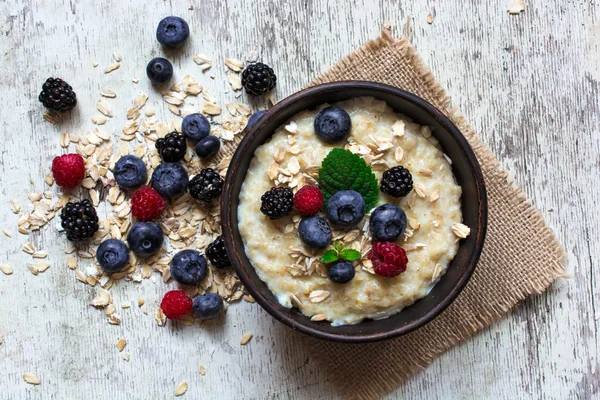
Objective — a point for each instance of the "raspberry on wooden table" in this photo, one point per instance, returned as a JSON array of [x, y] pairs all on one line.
[[176, 304], [68, 170], [147, 204]]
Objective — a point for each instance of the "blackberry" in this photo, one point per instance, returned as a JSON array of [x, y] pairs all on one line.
[[206, 186], [258, 79], [79, 220], [277, 202], [397, 182], [172, 147], [217, 254], [57, 95]]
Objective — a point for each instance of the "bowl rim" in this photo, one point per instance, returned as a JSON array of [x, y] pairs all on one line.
[[228, 229]]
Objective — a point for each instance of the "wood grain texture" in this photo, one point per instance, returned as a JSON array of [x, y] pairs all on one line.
[[529, 84]]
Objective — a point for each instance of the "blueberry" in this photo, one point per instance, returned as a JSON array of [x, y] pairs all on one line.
[[130, 172], [387, 223], [188, 267], [172, 32], [332, 124], [208, 146], [346, 208], [112, 255], [145, 238], [207, 306], [170, 179], [195, 127], [254, 117], [159, 70], [315, 232], [341, 272]]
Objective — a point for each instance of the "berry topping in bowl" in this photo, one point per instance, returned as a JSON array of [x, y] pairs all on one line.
[[195, 127], [387, 223], [308, 200], [346, 208], [176, 304], [397, 181], [145, 238], [217, 254], [188, 267], [172, 32], [112, 255], [159, 70], [206, 186], [57, 95], [146, 204], [315, 232], [341, 272], [388, 259], [332, 124], [170, 179], [258, 79], [79, 220], [277, 202], [130, 172], [68, 170], [172, 147], [208, 147], [207, 306]]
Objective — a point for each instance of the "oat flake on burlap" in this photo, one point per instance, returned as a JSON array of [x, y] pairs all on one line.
[[501, 279]]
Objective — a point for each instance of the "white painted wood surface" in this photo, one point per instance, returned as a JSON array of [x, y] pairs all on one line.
[[528, 83]]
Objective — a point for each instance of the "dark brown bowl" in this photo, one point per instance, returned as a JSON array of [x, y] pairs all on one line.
[[466, 170]]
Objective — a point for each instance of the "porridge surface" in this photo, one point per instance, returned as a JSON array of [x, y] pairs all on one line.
[[293, 272]]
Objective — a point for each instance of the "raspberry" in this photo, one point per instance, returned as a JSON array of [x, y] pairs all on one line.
[[388, 259], [176, 304], [68, 170], [146, 204], [308, 200]]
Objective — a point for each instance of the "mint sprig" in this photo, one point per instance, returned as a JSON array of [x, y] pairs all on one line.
[[344, 170], [340, 251]]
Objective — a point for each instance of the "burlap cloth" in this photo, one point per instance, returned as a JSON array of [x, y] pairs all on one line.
[[521, 255]]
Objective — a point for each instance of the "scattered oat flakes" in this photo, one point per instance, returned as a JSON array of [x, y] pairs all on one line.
[[108, 93], [398, 128], [140, 301], [102, 299], [104, 107], [211, 108], [516, 7], [426, 171], [6, 233], [203, 61], [181, 389], [434, 196], [436, 272], [114, 319], [420, 190], [117, 55], [111, 68], [235, 81], [121, 343], [64, 140], [31, 378], [246, 338], [160, 317], [52, 117], [95, 63], [234, 65], [430, 19], [6, 269], [202, 370], [14, 206]]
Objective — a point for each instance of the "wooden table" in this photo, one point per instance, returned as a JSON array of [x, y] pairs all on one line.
[[528, 83]]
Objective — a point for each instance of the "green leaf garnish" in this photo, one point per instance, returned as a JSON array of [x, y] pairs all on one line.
[[350, 254], [344, 170], [329, 256]]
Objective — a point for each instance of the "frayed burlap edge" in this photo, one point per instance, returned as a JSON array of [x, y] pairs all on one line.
[[369, 370]]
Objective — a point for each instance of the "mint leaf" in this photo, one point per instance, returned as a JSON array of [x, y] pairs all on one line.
[[344, 170], [337, 246], [350, 254], [329, 256]]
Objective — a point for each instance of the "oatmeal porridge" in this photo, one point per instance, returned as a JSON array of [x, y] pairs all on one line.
[[298, 274]]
